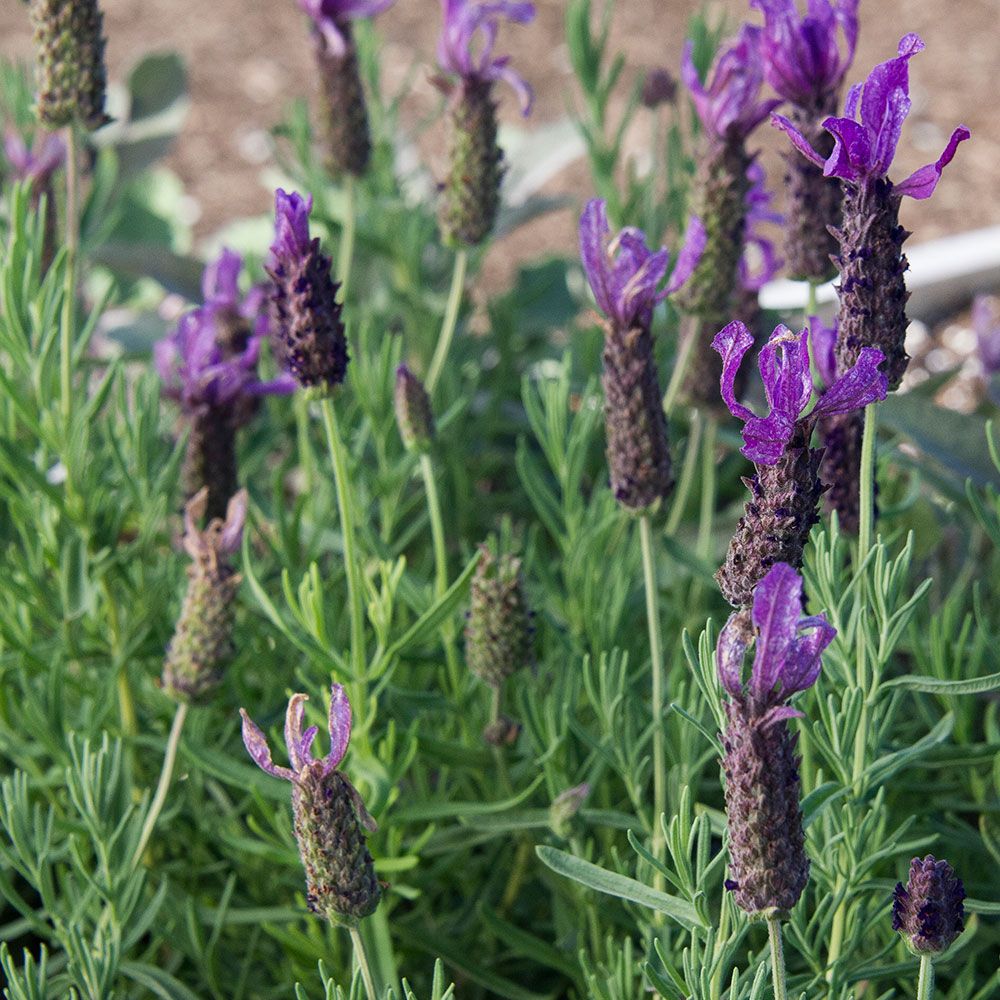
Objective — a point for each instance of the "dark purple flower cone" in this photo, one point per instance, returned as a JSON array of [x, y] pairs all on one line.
[[840, 471], [341, 884], [872, 284], [637, 448], [472, 190], [210, 458], [775, 526], [345, 110], [768, 863], [70, 74], [929, 910]]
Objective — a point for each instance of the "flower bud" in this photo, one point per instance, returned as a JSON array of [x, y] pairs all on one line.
[[928, 911], [348, 141], [414, 415]]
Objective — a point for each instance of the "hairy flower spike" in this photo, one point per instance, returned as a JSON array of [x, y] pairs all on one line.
[[768, 864], [208, 364], [308, 334], [465, 55], [499, 628], [69, 69], [414, 415], [786, 488], [928, 911], [871, 262], [624, 275], [203, 640], [330, 817]]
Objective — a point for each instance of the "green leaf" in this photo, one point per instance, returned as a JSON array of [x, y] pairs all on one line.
[[613, 884], [423, 811], [158, 982], [935, 685], [155, 83]]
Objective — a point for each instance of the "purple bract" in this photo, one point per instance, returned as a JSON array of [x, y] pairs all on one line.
[[802, 58], [784, 369], [461, 54], [624, 273], [198, 367], [787, 650], [865, 139], [760, 262], [729, 106], [330, 15], [38, 163]]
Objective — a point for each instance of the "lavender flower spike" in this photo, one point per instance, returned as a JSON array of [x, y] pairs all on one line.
[[329, 815], [208, 364], [768, 864], [465, 54], [308, 335], [625, 276], [871, 262], [730, 108], [929, 911], [345, 118], [786, 488]]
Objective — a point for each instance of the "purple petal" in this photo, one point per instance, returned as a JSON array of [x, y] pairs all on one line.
[[690, 254], [852, 157], [856, 388], [293, 732], [593, 231], [732, 342], [256, 744], [779, 713], [804, 657], [921, 183], [220, 280], [340, 726], [799, 141], [729, 653], [291, 224], [784, 367], [822, 341], [766, 438], [777, 607], [524, 91]]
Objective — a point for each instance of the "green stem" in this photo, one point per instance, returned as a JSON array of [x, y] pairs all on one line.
[[361, 957], [656, 655], [777, 959], [68, 330], [345, 253], [925, 985], [681, 366], [166, 773], [338, 456], [679, 501], [441, 568], [307, 458], [836, 933], [811, 299], [707, 515], [866, 517], [450, 319]]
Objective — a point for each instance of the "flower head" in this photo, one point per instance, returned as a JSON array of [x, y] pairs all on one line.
[[929, 910], [210, 359], [760, 262], [462, 54], [414, 414], [784, 369], [624, 273], [865, 139], [986, 323], [787, 650], [330, 17], [803, 61], [729, 106], [38, 164]]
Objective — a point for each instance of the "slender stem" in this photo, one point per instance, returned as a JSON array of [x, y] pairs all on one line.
[[450, 319], [681, 366], [836, 933], [866, 516], [345, 253], [441, 568], [307, 458], [925, 985], [707, 515], [777, 959], [361, 957], [495, 703], [338, 456], [656, 655], [811, 299], [163, 786], [522, 860], [679, 501], [68, 330]]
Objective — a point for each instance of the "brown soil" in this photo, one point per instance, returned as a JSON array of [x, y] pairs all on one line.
[[247, 60]]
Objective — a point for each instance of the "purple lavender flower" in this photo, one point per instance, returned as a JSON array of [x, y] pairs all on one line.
[[768, 864], [330, 816], [929, 910], [37, 165], [625, 276], [986, 323], [465, 54], [208, 364], [803, 61], [730, 107], [760, 262], [308, 334], [345, 111], [786, 487]]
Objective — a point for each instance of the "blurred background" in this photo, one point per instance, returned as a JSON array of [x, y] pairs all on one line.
[[248, 61]]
